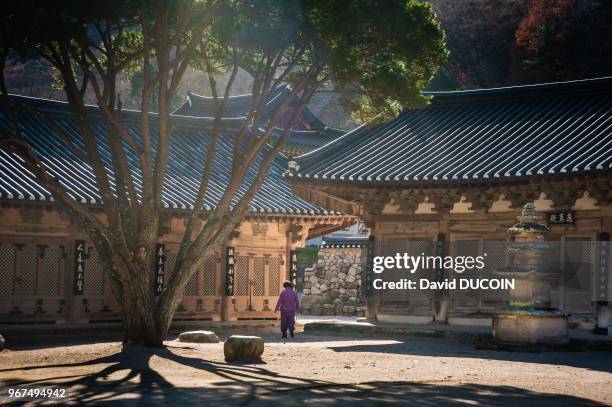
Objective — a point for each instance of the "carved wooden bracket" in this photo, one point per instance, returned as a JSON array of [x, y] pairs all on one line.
[[481, 199], [259, 228], [296, 232], [444, 199], [408, 200], [373, 201]]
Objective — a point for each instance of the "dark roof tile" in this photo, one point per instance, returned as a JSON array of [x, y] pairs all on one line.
[[494, 133]]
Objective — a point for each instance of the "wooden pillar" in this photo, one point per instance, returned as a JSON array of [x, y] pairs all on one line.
[[603, 308], [441, 297], [227, 306], [372, 300]]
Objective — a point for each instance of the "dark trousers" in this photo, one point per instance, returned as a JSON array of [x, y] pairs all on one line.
[[287, 321]]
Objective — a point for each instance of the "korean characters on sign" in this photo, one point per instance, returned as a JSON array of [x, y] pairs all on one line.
[[79, 267], [160, 266], [229, 267]]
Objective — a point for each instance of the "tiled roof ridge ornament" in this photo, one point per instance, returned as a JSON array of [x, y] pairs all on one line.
[[293, 167]]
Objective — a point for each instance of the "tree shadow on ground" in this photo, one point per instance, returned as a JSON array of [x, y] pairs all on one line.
[[592, 360], [411, 393], [127, 377]]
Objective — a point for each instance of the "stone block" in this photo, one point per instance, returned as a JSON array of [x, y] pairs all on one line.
[[239, 347], [530, 329], [316, 310], [198, 337]]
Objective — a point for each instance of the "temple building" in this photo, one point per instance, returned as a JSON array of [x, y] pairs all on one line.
[[309, 133], [451, 178], [38, 241]]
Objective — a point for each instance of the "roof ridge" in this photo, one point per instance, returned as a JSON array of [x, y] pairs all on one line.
[[190, 93], [62, 107], [559, 88]]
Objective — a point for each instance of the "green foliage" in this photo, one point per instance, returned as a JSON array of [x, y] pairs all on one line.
[[379, 54], [386, 50]]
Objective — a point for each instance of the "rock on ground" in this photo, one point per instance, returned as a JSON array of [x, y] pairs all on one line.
[[198, 337], [239, 347]]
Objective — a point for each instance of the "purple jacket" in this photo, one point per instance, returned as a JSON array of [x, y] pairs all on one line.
[[288, 300]]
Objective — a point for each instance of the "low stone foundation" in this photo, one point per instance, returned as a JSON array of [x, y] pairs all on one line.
[[531, 329], [333, 285]]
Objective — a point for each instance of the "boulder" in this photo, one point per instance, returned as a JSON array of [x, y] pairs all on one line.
[[198, 337], [240, 347], [2, 343]]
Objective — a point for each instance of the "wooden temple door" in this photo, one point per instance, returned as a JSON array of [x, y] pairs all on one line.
[[98, 302], [202, 300], [257, 286], [407, 302], [577, 275], [496, 257], [32, 278]]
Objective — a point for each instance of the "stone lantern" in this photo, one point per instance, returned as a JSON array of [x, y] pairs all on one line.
[[529, 317]]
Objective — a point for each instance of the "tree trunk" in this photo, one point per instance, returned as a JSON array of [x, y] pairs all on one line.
[[139, 323]]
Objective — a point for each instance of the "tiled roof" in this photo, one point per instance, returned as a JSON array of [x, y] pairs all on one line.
[[187, 153], [235, 107], [532, 130]]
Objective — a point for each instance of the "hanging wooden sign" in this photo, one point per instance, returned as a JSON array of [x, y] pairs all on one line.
[[229, 271], [79, 267], [293, 268], [160, 267], [561, 218], [603, 274]]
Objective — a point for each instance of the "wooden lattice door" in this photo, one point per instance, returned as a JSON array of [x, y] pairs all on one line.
[[31, 281], [257, 285]]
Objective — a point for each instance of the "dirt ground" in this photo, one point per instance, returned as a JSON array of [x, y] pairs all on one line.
[[314, 370]]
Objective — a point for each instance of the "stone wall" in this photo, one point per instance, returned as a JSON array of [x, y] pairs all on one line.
[[333, 285]]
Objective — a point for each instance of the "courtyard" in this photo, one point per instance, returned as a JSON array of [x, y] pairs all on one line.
[[311, 368]]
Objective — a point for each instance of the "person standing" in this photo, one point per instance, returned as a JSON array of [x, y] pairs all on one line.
[[288, 304]]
